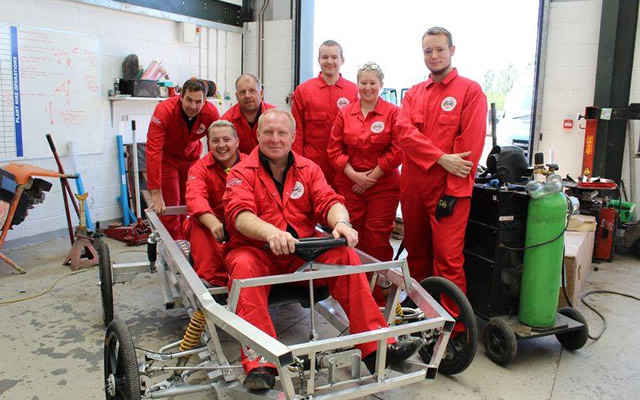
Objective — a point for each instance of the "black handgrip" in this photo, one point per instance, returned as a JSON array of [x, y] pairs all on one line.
[[320, 243], [316, 243], [310, 248], [133, 125], [152, 251]]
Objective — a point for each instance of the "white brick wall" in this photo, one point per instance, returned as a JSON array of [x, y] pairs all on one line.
[[569, 80], [120, 33]]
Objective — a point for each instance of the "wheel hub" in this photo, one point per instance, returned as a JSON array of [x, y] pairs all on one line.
[[110, 386]]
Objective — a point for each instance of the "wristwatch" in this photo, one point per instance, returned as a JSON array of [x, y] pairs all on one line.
[[343, 221]]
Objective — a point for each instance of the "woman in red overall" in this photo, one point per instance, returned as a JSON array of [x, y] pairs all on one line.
[[363, 148]]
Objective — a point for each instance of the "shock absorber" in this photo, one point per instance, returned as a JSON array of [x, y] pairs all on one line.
[[191, 337], [385, 292]]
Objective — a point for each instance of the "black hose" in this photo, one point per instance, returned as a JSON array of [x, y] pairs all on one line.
[[604, 320], [504, 246], [564, 282]]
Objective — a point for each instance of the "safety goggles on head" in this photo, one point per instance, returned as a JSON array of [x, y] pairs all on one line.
[[370, 66]]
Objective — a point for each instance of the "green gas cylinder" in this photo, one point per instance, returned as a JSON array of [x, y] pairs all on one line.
[[542, 266]]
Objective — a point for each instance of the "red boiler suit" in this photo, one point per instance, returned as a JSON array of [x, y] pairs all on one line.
[[171, 151], [315, 105], [247, 134], [437, 118], [306, 199], [366, 143], [205, 187]]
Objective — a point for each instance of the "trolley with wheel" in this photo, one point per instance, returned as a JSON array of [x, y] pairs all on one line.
[[323, 367], [494, 257]]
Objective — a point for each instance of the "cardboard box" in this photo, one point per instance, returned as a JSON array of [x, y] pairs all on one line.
[[577, 261], [582, 223]]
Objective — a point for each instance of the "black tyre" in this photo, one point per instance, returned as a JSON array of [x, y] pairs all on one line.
[[106, 281], [121, 378], [573, 340], [500, 342], [636, 248], [461, 349]]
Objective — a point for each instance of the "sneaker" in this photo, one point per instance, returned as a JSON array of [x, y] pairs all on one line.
[[260, 378], [396, 353]]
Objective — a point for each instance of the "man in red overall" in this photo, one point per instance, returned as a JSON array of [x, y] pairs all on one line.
[[442, 124], [205, 186], [244, 115], [173, 146], [275, 196], [315, 104]]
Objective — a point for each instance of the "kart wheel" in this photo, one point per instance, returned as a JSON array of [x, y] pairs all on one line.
[[461, 349], [500, 342], [573, 340], [106, 281], [121, 377], [636, 248]]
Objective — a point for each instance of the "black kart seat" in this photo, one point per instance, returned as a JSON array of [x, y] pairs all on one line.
[[307, 249], [281, 295]]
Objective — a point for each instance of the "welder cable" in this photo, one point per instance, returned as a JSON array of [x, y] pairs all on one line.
[[47, 290], [566, 225], [592, 308], [564, 281]]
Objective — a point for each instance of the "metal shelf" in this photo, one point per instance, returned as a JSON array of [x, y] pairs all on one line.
[[131, 98], [118, 99]]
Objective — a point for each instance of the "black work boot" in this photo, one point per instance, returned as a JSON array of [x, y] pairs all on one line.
[[396, 353], [260, 378]]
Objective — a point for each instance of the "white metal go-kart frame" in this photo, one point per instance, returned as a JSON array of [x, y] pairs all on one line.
[[181, 287]]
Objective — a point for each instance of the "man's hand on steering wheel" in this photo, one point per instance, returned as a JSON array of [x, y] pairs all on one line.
[[282, 242], [344, 229]]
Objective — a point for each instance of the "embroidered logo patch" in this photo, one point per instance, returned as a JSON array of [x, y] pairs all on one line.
[[342, 102], [298, 190], [449, 103], [377, 127], [201, 129], [234, 182], [156, 120]]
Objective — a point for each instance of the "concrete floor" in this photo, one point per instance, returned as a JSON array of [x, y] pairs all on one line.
[[52, 344]]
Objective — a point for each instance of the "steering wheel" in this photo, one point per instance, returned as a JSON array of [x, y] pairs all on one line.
[[310, 248]]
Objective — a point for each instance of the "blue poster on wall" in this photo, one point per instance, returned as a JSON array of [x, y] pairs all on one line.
[[17, 113]]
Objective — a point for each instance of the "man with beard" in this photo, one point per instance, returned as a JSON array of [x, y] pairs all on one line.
[[173, 146], [442, 124]]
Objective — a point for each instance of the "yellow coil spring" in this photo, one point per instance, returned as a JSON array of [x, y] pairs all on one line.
[[191, 337], [399, 313]]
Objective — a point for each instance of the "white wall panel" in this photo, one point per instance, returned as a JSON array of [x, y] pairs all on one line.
[[121, 33], [569, 81]]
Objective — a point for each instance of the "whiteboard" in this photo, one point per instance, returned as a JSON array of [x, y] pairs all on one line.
[[49, 83]]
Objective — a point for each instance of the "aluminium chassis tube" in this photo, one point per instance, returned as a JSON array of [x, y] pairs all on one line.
[[181, 277]]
